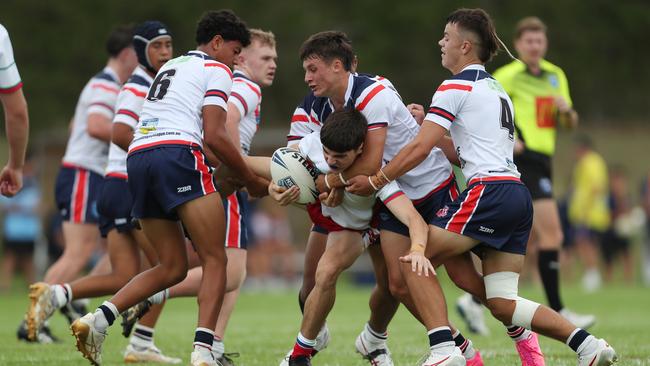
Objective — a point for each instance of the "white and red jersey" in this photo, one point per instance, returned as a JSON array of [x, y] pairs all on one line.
[[9, 77], [127, 111], [476, 110], [354, 212], [172, 109], [382, 108], [246, 95], [97, 97]]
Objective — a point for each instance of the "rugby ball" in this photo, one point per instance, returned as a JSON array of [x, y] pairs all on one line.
[[290, 168]]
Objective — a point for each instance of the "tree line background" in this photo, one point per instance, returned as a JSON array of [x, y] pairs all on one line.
[[602, 46]]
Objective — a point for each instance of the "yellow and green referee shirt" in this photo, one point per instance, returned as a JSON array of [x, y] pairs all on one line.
[[533, 100]]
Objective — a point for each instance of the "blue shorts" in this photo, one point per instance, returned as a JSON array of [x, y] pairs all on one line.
[[77, 191], [164, 177], [427, 206], [237, 220], [498, 213], [114, 205]]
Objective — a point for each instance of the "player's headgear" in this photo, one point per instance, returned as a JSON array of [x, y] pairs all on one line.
[[143, 35]]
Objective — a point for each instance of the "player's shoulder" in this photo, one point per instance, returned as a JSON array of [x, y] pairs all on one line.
[[105, 76], [550, 67], [242, 81], [139, 78]]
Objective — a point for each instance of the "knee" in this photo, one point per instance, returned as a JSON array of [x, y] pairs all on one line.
[[174, 273], [327, 275], [398, 288], [501, 309]]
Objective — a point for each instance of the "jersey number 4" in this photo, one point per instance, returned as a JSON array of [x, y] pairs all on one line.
[[160, 85], [507, 122]]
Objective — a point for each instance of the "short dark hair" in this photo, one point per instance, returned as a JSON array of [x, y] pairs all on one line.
[[344, 130], [224, 23], [478, 21], [119, 38], [328, 46], [532, 24]]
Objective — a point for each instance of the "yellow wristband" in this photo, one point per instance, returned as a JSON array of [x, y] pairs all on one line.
[[418, 248]]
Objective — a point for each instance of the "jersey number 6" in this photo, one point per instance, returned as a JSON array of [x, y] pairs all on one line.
[[160, 84]]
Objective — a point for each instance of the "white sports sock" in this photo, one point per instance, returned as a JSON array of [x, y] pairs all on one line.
[[373, 337], [101, 324], [159, 297], [61, 295], [218, 347], [588, 346], [142, 336]]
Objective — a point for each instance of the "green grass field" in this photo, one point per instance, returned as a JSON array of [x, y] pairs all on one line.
[[264, 326]]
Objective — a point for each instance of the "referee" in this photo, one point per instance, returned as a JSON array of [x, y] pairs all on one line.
[[540, 93]]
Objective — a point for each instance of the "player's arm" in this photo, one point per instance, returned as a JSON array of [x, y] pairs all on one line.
[[16, 126], [447, 146], [17, 130], [416, 151], [218, 141], [122, 135], [100, 127], [232, 124]]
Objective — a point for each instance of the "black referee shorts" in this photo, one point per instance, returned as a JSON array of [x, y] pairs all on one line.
[[535, 169]]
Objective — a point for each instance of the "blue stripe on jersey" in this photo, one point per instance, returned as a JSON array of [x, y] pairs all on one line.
[[199, 55], [105, 76], [139, 80], [359, 84], [471, 75], [239, 74]]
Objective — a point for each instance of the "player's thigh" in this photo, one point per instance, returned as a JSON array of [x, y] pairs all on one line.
[[443, 244], [145, 246], [378, 265], [167, 239], [236, 268], [394, 245], [204, 219], [546, 223], [80, 239], [498, 261], [123, 253], [343, 248], [316, 244]]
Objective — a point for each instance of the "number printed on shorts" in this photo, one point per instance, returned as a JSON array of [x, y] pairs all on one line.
[[160, 85], [506, 118]]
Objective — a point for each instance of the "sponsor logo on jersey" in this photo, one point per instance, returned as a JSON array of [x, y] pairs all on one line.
[[148, 125]]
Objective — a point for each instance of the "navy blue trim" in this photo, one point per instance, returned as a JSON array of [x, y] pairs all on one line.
[[139, 80], [471, 75], [239, 74], [105, 76], [199, 55]]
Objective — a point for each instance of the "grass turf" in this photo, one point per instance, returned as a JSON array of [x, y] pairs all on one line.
[[264, 327]]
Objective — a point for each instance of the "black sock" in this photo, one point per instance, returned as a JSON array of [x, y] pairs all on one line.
[[108, 314], [549, 271], [460, 342], [515, 331], [577, 339], [440, 336], [203, 337]]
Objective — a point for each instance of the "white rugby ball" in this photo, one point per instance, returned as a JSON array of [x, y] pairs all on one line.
[[290, 168]]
